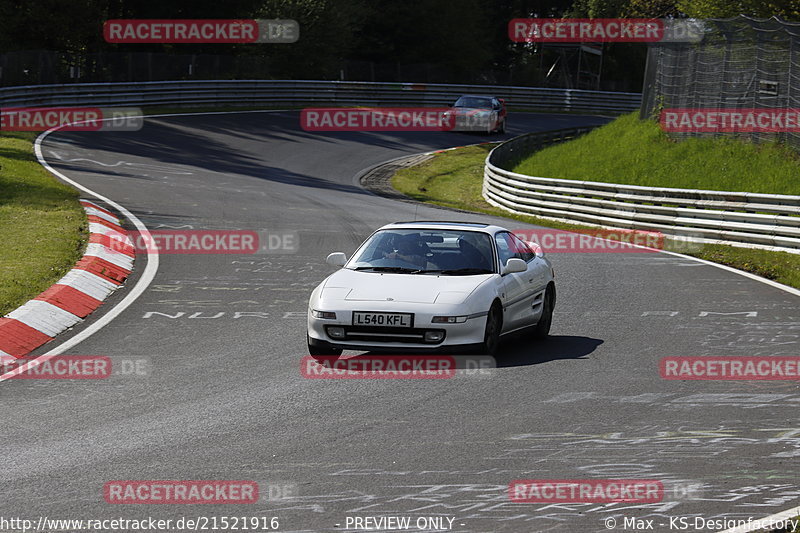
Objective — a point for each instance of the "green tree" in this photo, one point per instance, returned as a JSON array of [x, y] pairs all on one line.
[[651, 9], [329, 33], [597, 8], [786, 9]]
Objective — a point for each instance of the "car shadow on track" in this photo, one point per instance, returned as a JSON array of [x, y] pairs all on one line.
[[518, 351], [525, 352]]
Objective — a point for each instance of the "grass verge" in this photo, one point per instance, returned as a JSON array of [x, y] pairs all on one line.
[[637, 152], [43, 229], [454, 179]]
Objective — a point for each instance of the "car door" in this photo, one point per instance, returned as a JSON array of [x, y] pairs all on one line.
[[514, 287], [496, 112], [535, 279], [503, 111]]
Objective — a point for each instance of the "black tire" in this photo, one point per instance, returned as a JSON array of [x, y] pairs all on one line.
[[321, 351], [542, 328], [491, 335], [502, 128]]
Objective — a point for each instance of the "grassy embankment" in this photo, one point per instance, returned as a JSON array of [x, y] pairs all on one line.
[[633, 152], [43, 228]]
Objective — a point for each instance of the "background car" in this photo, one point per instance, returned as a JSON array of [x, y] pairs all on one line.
[[479, 113], [441, 286]]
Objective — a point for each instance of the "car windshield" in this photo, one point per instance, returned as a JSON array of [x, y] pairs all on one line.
[[423, 251], [474, 102]]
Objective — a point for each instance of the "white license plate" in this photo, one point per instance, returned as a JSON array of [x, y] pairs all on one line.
[[396, 320]]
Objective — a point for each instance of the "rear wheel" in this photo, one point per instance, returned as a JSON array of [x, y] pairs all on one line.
[[502, 128], [542, 328], [320, 351], [491, 335]]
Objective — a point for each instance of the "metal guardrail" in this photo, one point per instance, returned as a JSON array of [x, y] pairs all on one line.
[[768, 221], [302, 93], [758, 220]]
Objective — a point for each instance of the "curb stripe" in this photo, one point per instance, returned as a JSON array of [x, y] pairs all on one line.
[[100, 229], [101, 214], [18, 339], [87, 203], [103, 268], [106, 223], [115, 245], [44, 317], [88, 283], [123, 261], [70, 300]]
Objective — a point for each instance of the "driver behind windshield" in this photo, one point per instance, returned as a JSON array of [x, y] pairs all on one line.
[[409, 248]]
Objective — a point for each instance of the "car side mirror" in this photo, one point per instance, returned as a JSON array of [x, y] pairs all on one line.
[[537, 249], [337, 259], [515, 265]]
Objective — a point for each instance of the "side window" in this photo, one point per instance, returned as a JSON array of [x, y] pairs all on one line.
[[506, 248], [526, 254]]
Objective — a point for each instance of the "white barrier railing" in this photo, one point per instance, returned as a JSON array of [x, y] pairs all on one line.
[[302, 93], [768, 221]]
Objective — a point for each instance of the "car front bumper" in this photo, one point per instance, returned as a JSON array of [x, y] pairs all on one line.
[[372, 338]]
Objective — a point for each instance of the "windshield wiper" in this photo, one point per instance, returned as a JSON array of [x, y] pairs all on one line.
[[386, 269], [456, 271]]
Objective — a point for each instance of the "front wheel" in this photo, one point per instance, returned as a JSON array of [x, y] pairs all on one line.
[[321, 351], [491, 335], [542, 328]]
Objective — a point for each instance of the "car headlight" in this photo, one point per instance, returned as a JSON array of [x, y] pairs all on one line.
[[448, 319], [328, 315]]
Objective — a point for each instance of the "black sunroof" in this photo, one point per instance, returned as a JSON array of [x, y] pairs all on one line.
[[448, 222]]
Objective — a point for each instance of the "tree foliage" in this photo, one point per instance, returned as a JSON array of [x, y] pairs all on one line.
[[786, 9], [467, 38]]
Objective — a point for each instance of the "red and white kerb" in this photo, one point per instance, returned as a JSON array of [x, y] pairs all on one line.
[[101, 271]]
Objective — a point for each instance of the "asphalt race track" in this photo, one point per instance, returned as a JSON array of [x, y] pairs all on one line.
[[222, 336]]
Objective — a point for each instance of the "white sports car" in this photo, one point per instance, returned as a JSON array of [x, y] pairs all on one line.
[[441, 286]]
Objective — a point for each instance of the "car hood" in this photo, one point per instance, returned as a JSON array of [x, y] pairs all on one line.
[[351, 285]]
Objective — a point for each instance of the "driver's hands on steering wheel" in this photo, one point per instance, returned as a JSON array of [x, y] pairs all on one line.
[[413, 259], [394, 254]]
